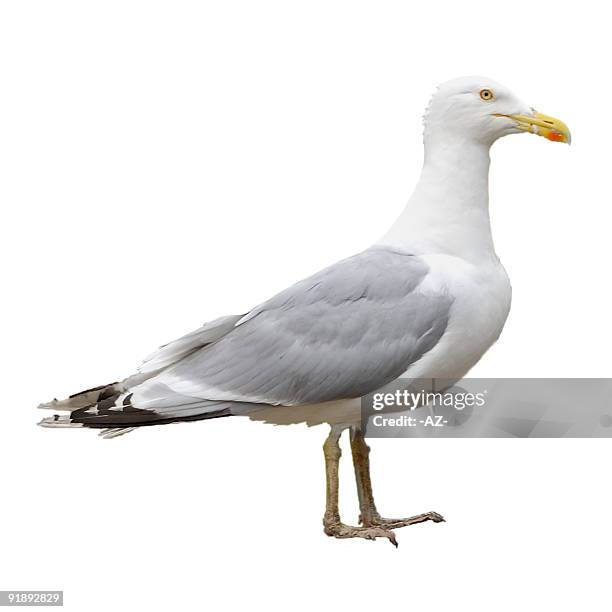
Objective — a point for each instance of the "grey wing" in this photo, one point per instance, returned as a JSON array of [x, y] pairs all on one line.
[[341, 333], [174, 351]]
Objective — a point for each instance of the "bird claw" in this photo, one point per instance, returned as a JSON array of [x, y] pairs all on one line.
[[379, 521], [340, 530]]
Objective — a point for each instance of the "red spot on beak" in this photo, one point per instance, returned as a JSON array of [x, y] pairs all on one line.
[[556, 136]]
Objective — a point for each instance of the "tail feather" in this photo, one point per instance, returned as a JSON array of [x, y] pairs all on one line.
[[109, 408], [82, 399], [107, 434]]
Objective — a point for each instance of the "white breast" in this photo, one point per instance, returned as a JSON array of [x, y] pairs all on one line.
[[481, 302]]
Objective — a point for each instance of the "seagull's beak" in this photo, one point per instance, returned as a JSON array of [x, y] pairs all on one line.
[[542, 125]]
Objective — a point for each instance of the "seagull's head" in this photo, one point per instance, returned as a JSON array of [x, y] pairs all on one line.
[[481, 110]]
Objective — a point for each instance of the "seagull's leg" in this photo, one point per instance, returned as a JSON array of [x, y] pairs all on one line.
[[361, 462], [331, 520], [369, 514]]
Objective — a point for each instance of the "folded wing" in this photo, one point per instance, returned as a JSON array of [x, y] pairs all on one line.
[[340, 333]]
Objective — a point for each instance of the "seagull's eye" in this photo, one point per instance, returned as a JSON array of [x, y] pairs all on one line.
[[486, 94]]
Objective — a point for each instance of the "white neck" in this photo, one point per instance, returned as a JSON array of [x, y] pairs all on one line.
[[448, 212]]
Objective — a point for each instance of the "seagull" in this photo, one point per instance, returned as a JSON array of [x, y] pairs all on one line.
[[425, 301]]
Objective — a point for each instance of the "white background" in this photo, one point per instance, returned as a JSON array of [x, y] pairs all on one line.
[[164, 163]]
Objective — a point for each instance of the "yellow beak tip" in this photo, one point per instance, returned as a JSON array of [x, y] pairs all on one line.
[[543, 125], [551, 128]]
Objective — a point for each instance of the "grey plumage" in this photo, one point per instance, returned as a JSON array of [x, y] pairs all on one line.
[[341, 333], [178, 349]]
